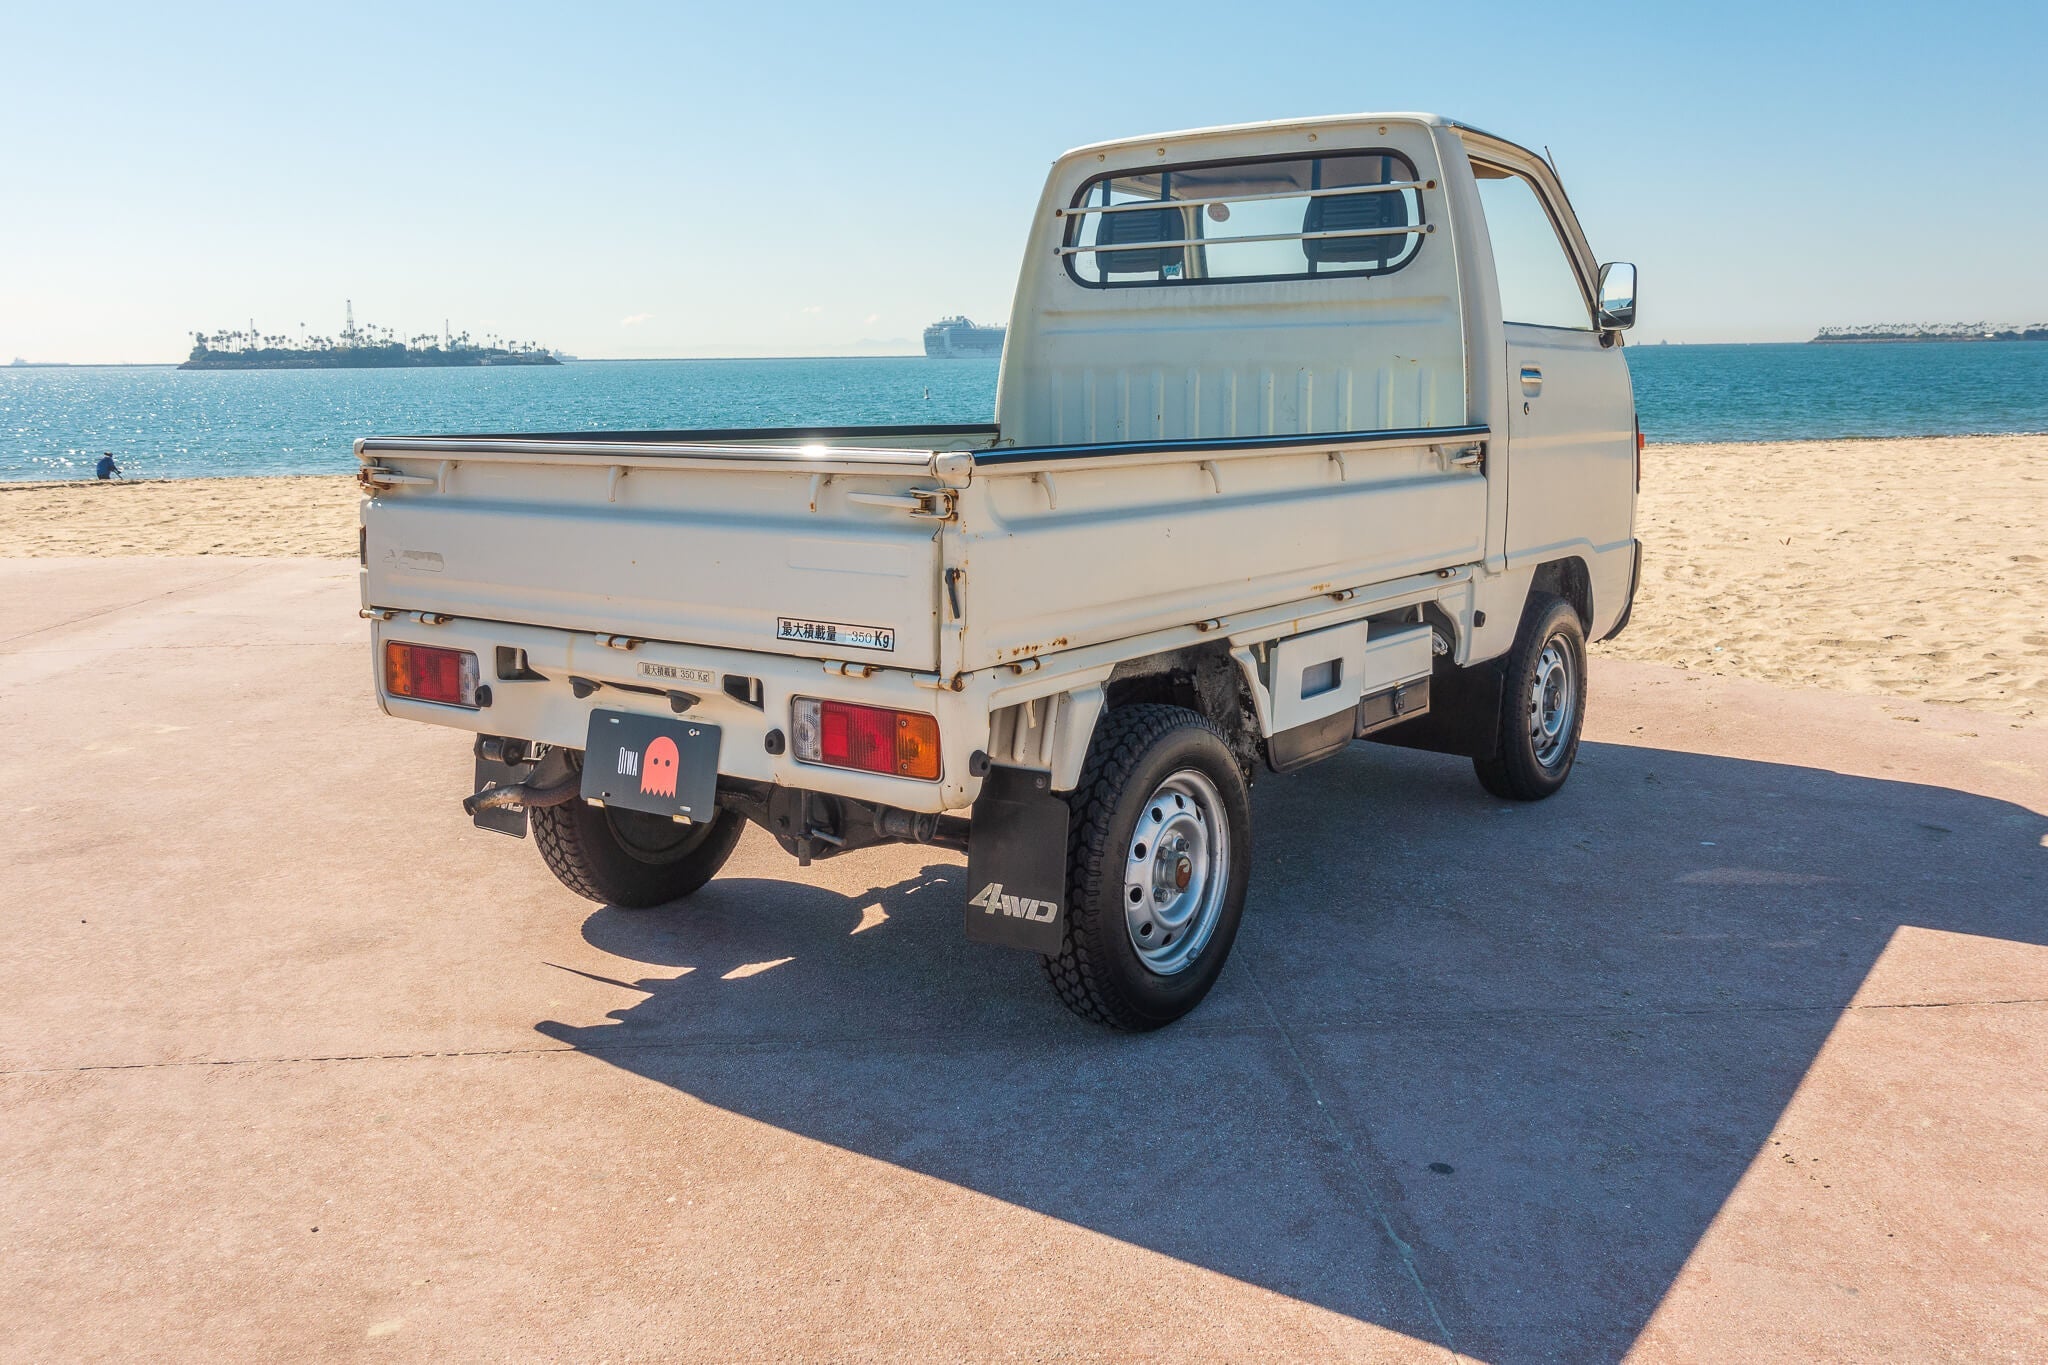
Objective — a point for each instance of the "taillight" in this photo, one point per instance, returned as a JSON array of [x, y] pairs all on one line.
[[1639, 457], [425, 673], [873, 739]]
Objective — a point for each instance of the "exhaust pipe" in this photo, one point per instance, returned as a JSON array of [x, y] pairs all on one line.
[[553, 780], [524, 795]]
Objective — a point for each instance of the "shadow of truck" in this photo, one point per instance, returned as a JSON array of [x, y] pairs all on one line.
[[1477, 1072]]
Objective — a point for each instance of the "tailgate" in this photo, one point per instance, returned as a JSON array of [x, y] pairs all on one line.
[[818, 554]]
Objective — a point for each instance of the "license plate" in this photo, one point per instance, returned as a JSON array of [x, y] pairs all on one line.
[[652, 764]]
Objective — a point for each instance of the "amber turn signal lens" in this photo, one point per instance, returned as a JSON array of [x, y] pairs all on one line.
[[874, 739], [427, 673], [917, 745]]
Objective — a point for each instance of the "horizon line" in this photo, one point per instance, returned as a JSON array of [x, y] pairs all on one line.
[[839, 355]]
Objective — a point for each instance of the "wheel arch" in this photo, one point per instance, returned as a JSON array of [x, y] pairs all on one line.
[[1204, 679], [1570, 579]]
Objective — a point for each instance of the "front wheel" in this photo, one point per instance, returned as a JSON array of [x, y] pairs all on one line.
[[1158, 858], [629, 858], [1543, 704]]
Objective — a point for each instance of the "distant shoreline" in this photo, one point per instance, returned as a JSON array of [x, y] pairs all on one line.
[[1920, 341], [1632, 344], [1930, 338], [578, 360], [392, 357]]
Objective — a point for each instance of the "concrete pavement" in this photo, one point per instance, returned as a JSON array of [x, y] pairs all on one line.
[[1733, 1050]]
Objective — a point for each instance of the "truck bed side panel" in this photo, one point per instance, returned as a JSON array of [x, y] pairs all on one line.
[[1111, 551]]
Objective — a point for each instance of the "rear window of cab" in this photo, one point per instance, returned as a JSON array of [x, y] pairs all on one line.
[[1343, 214]]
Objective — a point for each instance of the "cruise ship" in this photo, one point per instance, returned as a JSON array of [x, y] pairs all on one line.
[[952, 337]]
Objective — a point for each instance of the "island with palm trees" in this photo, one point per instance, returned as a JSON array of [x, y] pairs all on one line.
[[366, 347], [1932, 331]]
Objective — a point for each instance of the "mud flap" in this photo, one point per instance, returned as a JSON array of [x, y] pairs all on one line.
[[506, 819], [1017, 862]]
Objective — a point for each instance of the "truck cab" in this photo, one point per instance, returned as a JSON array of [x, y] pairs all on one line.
[[1306, 432]]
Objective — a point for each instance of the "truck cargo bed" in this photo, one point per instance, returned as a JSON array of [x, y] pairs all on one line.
[[805, 542]]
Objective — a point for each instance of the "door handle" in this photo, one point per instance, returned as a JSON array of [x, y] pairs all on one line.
[[1532, 380]]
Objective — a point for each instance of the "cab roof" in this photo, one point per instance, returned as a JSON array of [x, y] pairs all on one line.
[[1291, 125]]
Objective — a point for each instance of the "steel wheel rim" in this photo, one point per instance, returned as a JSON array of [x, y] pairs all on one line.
[[1176, 872], [1553, 701]]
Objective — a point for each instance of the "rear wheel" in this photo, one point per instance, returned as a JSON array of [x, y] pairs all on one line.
[[1543, 704], [1157, 862], [628, 858]]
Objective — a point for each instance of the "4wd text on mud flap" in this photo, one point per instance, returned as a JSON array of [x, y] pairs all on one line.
[[992, 899]]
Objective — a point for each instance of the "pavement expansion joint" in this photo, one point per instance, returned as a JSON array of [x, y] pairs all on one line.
[[203, 646], [1361, 1018], [138, 602], [951, 1037], [936, 1037], [189, 1062], [1944, 1004], [1360, 1176]]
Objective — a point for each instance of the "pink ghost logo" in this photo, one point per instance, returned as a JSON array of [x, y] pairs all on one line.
[[658, 768]]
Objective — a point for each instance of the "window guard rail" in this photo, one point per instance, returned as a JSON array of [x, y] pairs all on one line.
[[1389, 188], [1417, 230]]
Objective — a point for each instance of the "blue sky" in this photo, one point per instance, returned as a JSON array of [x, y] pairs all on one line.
[[799, 179]]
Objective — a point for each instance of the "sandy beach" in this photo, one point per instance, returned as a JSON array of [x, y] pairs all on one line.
[[312, 514], [1910, 568]]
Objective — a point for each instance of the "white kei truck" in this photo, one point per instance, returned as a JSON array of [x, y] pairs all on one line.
[[1306, 431]]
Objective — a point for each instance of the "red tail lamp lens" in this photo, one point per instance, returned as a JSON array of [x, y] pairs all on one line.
[[873, 739], [425, 673]]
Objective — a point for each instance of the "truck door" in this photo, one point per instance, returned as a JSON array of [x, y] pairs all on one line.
[[1571, 415]]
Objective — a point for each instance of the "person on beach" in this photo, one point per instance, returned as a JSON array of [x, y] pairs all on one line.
[[107, 469]]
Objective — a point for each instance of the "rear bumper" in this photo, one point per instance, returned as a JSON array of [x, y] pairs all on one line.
[[546, 709]]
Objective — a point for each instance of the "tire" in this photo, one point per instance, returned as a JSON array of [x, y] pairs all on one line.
[[630, 859], [1543, 704], [1152, 771]]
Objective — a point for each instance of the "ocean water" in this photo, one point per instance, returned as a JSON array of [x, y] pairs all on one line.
[[170, 423], [167, 423], [1801, 392]]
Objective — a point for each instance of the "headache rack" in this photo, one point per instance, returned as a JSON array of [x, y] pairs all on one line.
[[1155, 205], [1415, 230], [1164, 234]]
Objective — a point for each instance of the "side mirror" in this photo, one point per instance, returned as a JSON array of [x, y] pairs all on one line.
[[1617, 296]]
